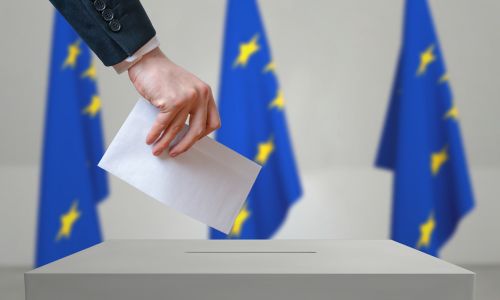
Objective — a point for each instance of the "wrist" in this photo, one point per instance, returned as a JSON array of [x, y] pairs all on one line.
[[156, 52], [146, 60], [127, 63]]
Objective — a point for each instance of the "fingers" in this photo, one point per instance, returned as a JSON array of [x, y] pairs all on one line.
[[171, 132], [197, 129], [168, 111], [213, 119], [162, 121]]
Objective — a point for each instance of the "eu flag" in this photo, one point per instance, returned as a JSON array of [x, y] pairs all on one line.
[[421, 141], [253, 123], [71, 183]]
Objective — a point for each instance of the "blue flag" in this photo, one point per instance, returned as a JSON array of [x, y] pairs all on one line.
[[421, 141], [253, 123], [71, 183]]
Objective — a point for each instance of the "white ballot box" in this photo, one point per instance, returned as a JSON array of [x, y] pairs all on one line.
[[249, 270]]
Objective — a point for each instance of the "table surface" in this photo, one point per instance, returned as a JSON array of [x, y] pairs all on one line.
[[250, 257]]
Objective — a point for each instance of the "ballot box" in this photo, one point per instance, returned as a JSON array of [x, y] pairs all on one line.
[[249, 270]]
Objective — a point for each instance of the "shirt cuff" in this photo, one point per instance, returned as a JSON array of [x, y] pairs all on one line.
[[131, 60]]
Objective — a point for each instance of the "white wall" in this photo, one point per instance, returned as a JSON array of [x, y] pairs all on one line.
[[335, 60]]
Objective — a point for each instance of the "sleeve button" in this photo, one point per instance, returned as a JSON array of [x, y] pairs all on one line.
[[99, 5], [114, 25], [107, 14]]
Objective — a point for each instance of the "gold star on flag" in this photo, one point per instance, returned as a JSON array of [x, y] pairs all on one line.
[[278, 102], [264, 150], [452, 113], [438, 159], [246, 51], [239, 222], [426, 58], [73, 52], [91, 71], [444, 78], [94, 107], [426, 230], [270, 67], [68, 221]]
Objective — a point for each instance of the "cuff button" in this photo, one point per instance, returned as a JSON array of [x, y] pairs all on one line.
[[99, 5], [107, 14], [114, 25]]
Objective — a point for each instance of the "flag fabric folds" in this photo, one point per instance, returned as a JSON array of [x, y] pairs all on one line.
[[71, 183], [421, 141], [253, 123]]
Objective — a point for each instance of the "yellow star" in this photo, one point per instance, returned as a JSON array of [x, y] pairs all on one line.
[[438, 159], [278, 102], [426, 58], [239, 222], [264, 150], [91, 71], [270, 67], [73, 52], [94, 107], [452, 113], [246, 51], [68, 220], [426, 230], [444, 78]]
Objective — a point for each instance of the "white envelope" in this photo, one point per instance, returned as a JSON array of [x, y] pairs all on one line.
[[209, 183]]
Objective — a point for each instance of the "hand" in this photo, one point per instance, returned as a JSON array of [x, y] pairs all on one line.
[[177, 94]]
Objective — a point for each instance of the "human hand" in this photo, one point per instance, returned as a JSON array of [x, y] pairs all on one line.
[[177, 94]]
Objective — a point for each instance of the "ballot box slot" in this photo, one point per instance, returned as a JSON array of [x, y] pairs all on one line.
[[250, 252]]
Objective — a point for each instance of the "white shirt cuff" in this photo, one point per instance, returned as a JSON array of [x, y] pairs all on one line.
[[131, 60]]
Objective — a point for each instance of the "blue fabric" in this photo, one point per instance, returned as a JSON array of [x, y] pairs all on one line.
[[71, 183], [421, 141], [254, 124]]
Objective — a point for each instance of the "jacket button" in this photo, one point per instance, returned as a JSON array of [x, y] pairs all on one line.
[[114, 25], [107, 14], [99, 5]]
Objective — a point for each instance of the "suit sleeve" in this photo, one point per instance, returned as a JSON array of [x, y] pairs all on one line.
[[113, 29]]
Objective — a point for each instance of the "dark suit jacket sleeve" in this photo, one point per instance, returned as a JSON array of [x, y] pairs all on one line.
[[113, 29]]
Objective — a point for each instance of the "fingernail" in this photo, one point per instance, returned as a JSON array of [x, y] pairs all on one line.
[[157, 152], [173, 154]]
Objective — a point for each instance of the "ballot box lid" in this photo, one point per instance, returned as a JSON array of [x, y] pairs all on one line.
[[250, 257]]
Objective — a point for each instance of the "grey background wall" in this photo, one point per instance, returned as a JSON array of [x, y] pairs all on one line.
[[335, 60]]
